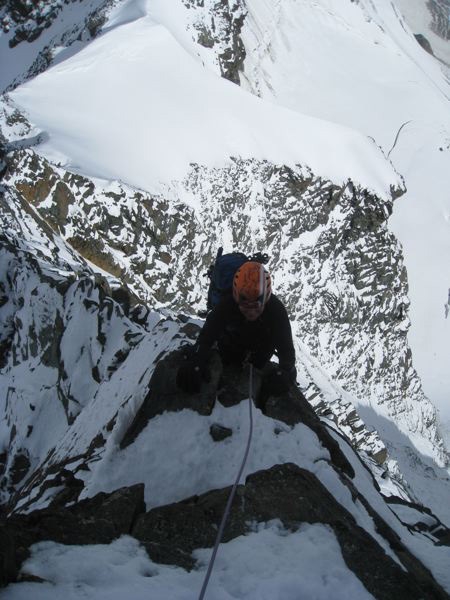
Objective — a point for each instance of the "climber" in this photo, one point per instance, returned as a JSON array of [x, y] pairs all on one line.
[[249, 324]]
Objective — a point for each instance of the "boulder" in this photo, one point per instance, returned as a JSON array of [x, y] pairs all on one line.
[[219, 432]]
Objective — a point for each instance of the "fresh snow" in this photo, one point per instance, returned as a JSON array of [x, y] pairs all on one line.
[[195, 463], [134, 105], [265, 564]]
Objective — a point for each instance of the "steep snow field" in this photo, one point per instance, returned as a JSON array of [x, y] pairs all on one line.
[[419, 19], [135, 105]]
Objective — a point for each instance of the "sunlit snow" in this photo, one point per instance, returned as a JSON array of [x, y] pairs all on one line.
[[135, 105]]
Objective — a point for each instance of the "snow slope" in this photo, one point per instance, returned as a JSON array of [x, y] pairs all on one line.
[[109, 119], [67, 25], [359, 64], [419, 17]]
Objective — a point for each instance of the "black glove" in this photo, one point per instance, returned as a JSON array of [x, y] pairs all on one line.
[[190, 377], [278, 381]]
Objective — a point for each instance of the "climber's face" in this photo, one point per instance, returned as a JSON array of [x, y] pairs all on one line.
[[251, 310]]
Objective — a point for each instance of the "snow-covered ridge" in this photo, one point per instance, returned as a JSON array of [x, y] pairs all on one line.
[[214, 165], [174, 454], [360, 317], [119, 124]]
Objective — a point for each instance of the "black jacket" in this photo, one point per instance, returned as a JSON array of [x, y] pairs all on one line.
[[270, 333]]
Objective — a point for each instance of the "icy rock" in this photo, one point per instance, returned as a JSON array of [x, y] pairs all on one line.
[[219, 432]]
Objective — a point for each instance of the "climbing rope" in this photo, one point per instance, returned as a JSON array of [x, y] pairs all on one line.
[[233, 491]]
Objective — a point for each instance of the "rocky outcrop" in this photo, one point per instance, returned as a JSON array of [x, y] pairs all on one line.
[[294, 496], [129, 233], [439, 10], [99, 520], [171, 533], [217, 24], [24, 21]]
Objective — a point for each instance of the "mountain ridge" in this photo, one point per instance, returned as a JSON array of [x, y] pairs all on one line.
[[101, 281]]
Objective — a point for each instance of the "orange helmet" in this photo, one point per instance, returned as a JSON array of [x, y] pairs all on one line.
[[252, 283]]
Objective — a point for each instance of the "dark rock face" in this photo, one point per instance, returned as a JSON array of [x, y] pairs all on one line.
[[422, 40], [294, 496], [219, 27], [98, 520], [164, 395], [440, 24]]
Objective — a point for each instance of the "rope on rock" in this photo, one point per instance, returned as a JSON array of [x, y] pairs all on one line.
[[233, 491]]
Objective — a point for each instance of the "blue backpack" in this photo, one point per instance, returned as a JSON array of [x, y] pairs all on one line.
[[221, 273]]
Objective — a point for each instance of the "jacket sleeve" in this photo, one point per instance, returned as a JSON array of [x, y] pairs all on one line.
[[283, 342], [210, 333]]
